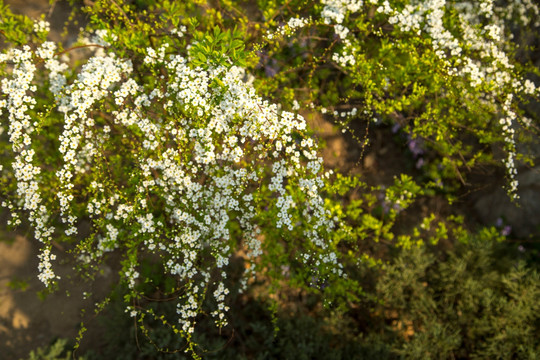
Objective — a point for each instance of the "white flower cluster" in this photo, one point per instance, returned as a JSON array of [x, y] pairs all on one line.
[[230, 154], [296, 23], [19, 100], [93, 84], [425, 17], [169, 169], [152, 56], [346, 57], [334, 11], [42, 26], [180, 31], [527, 11], [57, 79], [108, 242], [131, 275], [484, 64], [219, 295], [344, 114], [289, 28], [507, 122]]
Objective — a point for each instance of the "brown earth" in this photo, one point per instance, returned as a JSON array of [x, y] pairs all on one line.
[[28, 321]]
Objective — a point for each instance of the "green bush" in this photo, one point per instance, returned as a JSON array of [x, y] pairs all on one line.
[[58, 350], [473, 302]]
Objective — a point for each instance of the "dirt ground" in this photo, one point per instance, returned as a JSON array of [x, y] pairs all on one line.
[[28, 321]]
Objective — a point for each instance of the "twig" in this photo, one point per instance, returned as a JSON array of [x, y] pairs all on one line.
[[49, 14], [123, 12]]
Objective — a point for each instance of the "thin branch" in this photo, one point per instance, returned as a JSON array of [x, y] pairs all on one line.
[[78, 47], [123, 13]]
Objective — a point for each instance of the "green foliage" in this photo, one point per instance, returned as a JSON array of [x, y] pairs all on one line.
[[56, 351], [405, 77], [475, 301], [223, 48], [14, 29], [18, 284], [251, 335]]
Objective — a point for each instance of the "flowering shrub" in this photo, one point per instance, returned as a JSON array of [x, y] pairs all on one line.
[[183, 141], [444, 71], [162, 157]]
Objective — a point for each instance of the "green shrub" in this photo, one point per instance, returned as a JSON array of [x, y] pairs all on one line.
[[58, 350], [473, 302]]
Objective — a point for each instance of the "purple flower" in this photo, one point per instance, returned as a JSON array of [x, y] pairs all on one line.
[[415, 146], [271, 69]]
